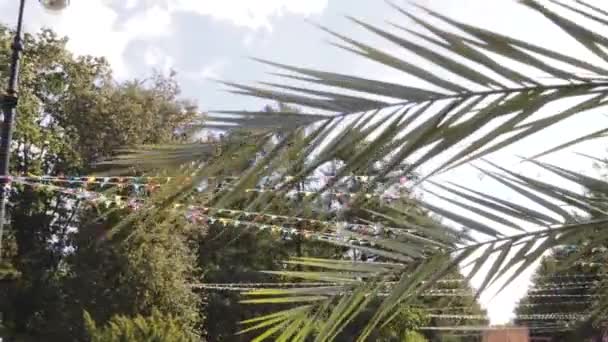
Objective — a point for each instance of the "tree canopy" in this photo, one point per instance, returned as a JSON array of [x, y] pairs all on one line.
[[72, 114]]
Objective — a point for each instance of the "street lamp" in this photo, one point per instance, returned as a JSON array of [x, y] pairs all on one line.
[[55, 5], [9, 105]]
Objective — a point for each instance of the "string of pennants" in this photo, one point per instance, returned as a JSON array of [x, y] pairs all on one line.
[[117, 199], [583, 283], [543, 316], [229, 286], [431, 293], [563, 288], [589, 283], [199, 213], [541, 327], [428, 293], [562, 295], [133, 203], [124, 181], [245, 288], [83, 192], [299, 284], [273, 228], [152, 183], [156, 181], [146, 179], [581, 302], [366, 229], [573, 275]]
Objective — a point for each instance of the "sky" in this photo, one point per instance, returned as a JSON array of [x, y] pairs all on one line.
[[204, 40]]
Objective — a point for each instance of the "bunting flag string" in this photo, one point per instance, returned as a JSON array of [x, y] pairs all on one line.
[[554, 316], [221, 211], [81, 194], [429, 293], [489, 328], [330, 236], [266, 285], [543, 316], [338, 194], [583, 302], [152, 183], [366, 229], [143, 180], [120, 181], [297, 284], [529, 296], [574, 283], [572, 275], [244, 287], [445, 308], [98, 197], [563, 295], [199, 216], [590, 264], [449, 316], [442, 294], [261, 226], [566, 288]]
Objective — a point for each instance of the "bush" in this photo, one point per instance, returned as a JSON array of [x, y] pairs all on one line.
[[155, 328], [412, 336]]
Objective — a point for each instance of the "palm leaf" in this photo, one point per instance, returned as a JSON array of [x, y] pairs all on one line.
[[595, 135], [377, 122]]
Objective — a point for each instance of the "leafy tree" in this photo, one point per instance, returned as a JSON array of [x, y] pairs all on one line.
[[156, 327], [149, 269], [561, 291], [566, 281], [412, 336], [71, 114]]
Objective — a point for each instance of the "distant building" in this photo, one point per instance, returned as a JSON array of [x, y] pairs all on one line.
[[507, 334]]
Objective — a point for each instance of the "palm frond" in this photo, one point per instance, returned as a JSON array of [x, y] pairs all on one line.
[[475, 95]]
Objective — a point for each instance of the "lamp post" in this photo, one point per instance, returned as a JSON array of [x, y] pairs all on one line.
[[9, 105]]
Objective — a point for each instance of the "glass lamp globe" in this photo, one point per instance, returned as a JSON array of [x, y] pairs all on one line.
[[55, 5]]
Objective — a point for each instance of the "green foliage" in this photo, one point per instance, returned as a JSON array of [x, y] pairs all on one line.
[[56, 258], [418, 126], [403, 326], [157, 327], [574, 281], [394, 130], [151, 269], [412, 336]]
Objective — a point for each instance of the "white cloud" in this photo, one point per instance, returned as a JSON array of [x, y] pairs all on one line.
[[130, 4], [247, 13], [93, 29], [156, 58], [88, 24], [152, 22], [212, 70]]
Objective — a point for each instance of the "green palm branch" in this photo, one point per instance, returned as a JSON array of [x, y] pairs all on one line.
[[370, 122]]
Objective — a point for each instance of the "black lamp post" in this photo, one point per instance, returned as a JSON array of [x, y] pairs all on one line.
[[9, 106]]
